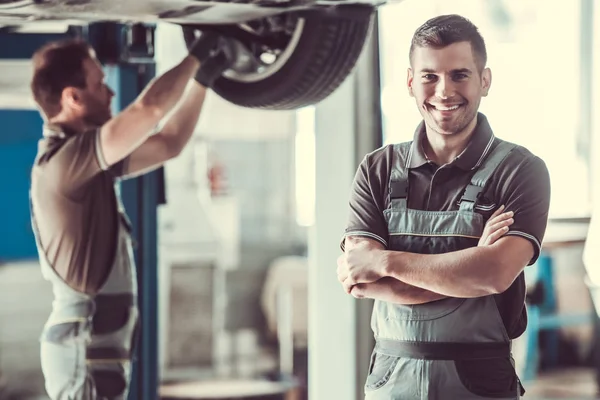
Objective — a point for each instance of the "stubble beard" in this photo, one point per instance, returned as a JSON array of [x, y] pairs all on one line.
[[457, 126]]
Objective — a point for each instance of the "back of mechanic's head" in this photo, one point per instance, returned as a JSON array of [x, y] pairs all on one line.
[[445, 30], [56, 66]]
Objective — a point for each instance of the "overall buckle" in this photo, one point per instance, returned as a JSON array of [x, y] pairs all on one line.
[[398, 189]]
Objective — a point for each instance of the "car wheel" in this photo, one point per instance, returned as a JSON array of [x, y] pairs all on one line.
[[316, 55]]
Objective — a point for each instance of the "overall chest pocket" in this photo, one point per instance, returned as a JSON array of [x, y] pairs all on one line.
[[433, 224], [423, 312]]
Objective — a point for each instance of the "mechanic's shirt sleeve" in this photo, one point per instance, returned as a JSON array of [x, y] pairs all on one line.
[[367, 203], [78, 161], [527, 194]]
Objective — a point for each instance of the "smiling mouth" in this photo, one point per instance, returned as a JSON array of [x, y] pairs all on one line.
[[445, 108]]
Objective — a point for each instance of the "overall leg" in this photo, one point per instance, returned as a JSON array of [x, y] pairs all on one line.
[[65, 371], [111, 378]]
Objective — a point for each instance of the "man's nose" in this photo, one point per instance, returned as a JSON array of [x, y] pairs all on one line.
[[444, 88]]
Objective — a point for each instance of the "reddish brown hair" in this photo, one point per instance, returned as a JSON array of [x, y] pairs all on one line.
[[56, 66]]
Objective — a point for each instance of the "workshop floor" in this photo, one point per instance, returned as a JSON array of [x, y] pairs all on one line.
[[572, 384], [567, 384]]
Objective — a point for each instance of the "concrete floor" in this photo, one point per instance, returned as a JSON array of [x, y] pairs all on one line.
[[572, 384]]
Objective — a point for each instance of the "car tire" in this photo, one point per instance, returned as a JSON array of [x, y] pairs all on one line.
[[324, 55]]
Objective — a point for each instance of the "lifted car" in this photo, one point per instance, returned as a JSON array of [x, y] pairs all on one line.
[[291, 53]]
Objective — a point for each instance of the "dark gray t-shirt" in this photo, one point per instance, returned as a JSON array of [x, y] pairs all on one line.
[[521, 183]]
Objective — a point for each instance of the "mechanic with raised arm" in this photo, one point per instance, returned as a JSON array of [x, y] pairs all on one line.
[[81, 230], [427, 239]]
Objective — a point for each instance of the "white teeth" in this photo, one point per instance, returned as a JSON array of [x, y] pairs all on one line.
[[442, 108]]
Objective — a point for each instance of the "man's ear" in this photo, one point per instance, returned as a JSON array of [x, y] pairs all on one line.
[[486, 80], [71, 98], [409, 81]]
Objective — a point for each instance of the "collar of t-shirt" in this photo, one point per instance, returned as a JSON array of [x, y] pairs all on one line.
[[470, 158]]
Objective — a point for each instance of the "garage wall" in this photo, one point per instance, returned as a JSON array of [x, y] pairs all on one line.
[[20, 132], [260, 175]]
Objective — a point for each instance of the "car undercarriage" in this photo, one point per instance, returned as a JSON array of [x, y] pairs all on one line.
[[290, 53]]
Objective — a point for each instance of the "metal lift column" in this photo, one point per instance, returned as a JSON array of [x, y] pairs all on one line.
[[340, 337], [127, 53]]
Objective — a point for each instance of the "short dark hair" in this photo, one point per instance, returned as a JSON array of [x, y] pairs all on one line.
[[58, 65], [445, 30]]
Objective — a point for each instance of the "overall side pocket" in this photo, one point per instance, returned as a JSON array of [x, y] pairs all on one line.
[[381, 369]]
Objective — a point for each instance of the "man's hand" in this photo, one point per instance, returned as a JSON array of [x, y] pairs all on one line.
[[216, 54], [361, 263], [496, 227], [202, 47], [179, 127], [214, 66]]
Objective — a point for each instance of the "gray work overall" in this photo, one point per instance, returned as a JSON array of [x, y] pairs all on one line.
[[87, 342], [425, 351]]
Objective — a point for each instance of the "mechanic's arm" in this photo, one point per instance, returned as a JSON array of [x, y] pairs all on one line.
[[476, 271], [387, 289], [473, 272], [486, 270], [172, 138], [367, 228], [124, 133], [180, 125], [395, 291]]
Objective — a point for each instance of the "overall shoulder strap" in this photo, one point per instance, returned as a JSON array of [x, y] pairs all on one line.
[[483, 173], [398, 185]]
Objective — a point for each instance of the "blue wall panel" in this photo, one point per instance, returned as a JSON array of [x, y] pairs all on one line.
[[19, 132]]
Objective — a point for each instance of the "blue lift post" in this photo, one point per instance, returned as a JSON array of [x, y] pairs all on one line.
[[127, 53]]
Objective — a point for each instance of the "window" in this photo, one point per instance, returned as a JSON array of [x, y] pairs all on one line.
[[534, 54], [305, 166]]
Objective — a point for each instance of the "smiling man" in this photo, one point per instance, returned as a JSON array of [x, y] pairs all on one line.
[[448, 302]]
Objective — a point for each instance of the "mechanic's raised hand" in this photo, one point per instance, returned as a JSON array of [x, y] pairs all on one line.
[[362, 262], [213, 67], [496, 227], [203, 46]]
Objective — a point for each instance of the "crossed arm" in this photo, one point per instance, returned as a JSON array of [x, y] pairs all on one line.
[[385, 288], [367, 270]]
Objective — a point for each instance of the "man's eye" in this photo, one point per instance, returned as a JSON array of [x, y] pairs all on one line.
[[429, 77], [460, 77]]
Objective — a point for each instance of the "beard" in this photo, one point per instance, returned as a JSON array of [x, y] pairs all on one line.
[[449, 123], [97, 117]]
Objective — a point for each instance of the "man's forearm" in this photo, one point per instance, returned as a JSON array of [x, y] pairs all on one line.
[[472, 272], [164, 92], [394, 291], [180, 125]]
